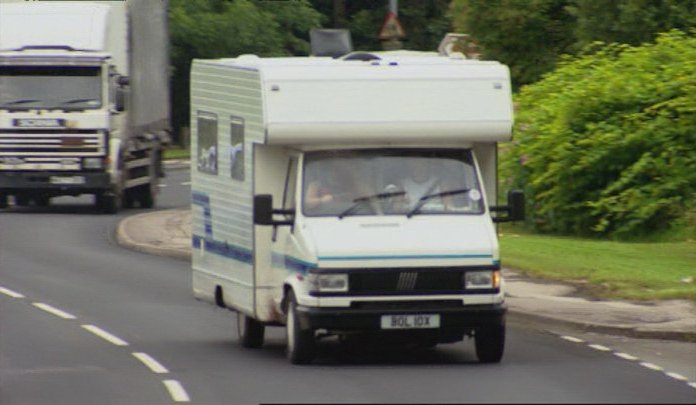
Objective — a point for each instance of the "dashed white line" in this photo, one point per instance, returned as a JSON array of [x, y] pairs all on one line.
[[10, 293], [651, 366], [186, 183], [600, 348], [53, 310], [692, 385], [154, 365], [572, 339], [105, 335], [177, 392], [626, 356]]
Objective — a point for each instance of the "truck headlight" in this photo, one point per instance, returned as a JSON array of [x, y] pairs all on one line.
[[93, 163], [328, 282], [482, 279]]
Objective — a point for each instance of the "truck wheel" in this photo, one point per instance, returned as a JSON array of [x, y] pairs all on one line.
[[490, 343], [42, 201], [249, 331], [108, 203], [3, 201], [301, 345], [146, 195], [21, 201]]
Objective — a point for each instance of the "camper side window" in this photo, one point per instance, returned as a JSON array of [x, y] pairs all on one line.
[[237, 148], [207, 143]]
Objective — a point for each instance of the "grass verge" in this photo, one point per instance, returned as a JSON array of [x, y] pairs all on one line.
[[176, 152], [606, 269]]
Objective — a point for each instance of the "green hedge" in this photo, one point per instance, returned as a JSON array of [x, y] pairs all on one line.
[[605, 145]]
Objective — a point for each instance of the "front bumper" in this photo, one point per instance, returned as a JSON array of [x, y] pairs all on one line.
[[358, 319], [46, 182]]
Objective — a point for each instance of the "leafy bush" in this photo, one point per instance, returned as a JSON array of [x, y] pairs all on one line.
[[606, 144]]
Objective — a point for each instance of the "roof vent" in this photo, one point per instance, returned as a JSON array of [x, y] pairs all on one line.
[[330, 42]]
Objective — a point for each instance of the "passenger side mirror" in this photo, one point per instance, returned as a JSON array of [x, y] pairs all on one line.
[[120, 99], [515, 207], [263, 212]]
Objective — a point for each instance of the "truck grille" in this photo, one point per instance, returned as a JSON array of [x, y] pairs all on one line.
[[41, 143], [406, 281]]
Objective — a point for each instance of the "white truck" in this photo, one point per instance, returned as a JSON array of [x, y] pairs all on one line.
[[84, 101], [301, 215]]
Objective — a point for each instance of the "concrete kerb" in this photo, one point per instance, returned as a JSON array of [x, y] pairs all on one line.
[[124, 239]]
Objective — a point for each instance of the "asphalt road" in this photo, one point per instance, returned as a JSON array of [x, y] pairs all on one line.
[[84, 321]]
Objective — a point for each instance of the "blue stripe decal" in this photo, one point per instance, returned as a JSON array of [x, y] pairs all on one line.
[[202, 199], [406, 257], [247, 256]]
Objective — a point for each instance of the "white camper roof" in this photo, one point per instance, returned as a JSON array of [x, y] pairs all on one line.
[[78, 25], [398, 98]]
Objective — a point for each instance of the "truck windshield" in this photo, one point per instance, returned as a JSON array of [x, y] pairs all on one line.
[[390, 182], [50, 87]]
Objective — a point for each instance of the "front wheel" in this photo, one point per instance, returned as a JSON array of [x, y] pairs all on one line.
[[301, 344], [249, 331], [490, 343]]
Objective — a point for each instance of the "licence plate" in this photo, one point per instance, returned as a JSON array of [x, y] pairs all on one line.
[[67, 180], [428, 321]]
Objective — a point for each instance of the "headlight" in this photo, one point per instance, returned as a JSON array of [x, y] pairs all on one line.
[[481, 279], [328, 282], [93, 163]]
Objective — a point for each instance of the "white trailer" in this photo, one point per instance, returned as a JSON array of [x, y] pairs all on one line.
[[374, 258], [84, 100]]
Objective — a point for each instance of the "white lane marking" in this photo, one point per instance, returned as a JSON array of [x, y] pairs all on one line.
[[151, 363], [651, 366], [162, 185], [105, 335], [626, 356], [692, 385], [677, 376], [53, 310], [600, 348], [572, 339], [186, 183], [177, 392], [10, 293]]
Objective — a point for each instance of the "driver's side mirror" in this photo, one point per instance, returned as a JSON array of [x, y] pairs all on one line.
[[515, 207], [263, 212], [120, 99]]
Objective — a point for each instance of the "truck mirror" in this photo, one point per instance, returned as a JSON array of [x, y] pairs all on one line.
[[516, 205], [263, 209], [515, 208], [123, 80], [120, 99]]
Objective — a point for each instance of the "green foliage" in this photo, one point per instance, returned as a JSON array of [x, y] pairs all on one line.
[[630, 21], [527, 35], [228, 28], [605, 144]]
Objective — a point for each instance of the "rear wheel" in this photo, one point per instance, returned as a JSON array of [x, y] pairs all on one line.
[[249, 331], [3, 201], [301, 344], [490, 343]]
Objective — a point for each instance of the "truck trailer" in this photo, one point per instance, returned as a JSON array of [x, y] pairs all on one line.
[[352, 197], [84, 101]]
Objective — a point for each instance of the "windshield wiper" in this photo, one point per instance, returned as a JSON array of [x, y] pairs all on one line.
[[425, 199], [76, 101], [21, 101], [360, 200]]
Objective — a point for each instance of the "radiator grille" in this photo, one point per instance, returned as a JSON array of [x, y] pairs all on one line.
[[46, 143]]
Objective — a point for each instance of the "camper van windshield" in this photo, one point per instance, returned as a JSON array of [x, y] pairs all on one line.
[[390, 182], [50, 87]]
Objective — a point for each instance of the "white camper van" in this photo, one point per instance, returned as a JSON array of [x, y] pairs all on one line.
[[351, 197]]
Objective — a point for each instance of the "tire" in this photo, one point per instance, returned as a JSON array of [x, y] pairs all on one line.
[[3, 201], [42, 201], [301, 347], [108, 203], [21, 201], [490, 343], [250, 332]]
